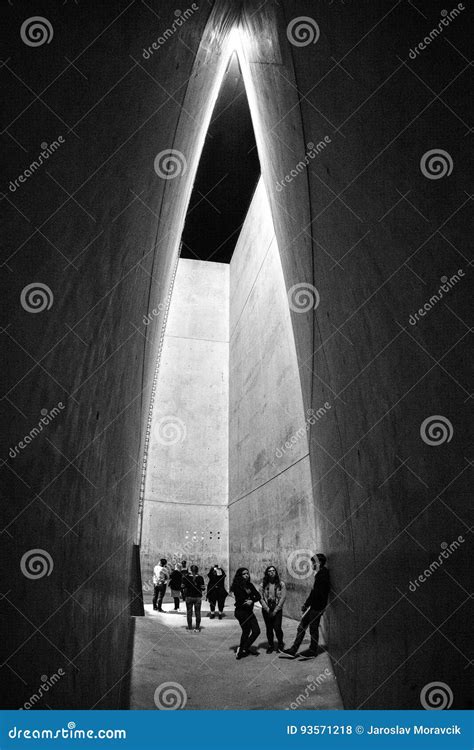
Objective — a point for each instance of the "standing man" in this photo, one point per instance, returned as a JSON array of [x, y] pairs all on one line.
[[313, 608], [160, 579]]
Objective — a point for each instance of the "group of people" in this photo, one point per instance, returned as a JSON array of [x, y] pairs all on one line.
[[189, 586], [271, 594]]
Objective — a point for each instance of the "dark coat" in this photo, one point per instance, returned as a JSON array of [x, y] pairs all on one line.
[[216, 585], [318, 597], [243, 592], [193, 585], [176, 579]]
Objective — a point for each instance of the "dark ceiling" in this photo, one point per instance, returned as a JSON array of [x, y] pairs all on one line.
[[226, 178]]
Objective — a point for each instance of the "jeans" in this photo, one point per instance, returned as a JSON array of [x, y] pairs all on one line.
[[310, 619], [159, 593], [250, 627], [176, 602], [218, 599], [273, 625], [193, 601]]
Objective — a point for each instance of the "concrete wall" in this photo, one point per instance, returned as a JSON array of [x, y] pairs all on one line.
[[186, 491], [107, 255], [270, 501], [386, 500]]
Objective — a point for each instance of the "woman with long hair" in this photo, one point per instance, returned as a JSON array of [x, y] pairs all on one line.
[[245, 595], [273, 592]]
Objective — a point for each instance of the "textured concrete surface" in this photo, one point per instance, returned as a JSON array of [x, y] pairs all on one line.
[[186, 490], [206, 675], [363, 224], [270, 500]]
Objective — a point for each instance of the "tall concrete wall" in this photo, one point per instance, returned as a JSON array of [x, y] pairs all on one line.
[[186, 491], [93, 225], [271, 514], [368, 227]]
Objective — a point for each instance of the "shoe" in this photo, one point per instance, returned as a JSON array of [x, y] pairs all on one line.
[[220, 615], [240, 653], [290, 652], [160, 610], [309, 654], [197, 630], [211, 616], [252, 652], [270, 650], [155, 609], [187, 628], [280, 647]]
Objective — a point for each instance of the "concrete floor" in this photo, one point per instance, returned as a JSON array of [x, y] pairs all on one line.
[[206, 675]]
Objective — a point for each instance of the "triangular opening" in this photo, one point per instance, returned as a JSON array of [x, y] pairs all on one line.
[[227, 175]]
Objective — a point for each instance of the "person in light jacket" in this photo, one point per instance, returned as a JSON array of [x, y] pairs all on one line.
[[273, 593], [160, 579]]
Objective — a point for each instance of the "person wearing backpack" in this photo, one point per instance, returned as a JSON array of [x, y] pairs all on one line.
[[193, 587]]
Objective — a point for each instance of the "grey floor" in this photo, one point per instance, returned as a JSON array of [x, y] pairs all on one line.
[[173, 667]]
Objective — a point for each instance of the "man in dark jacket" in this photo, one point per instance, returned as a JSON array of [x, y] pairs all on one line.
[[313, 609]]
